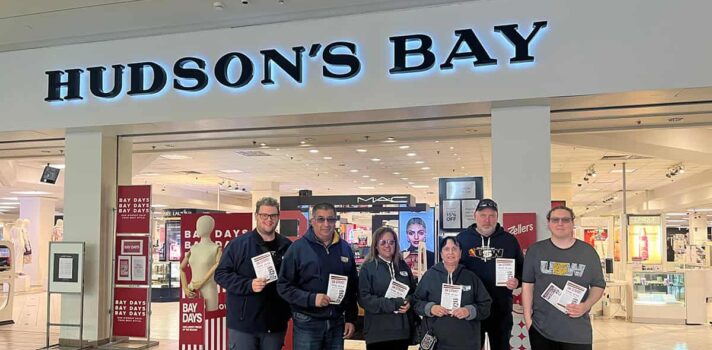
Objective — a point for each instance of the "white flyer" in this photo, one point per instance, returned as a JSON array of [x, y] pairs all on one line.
[[66, 268], [451, 296], [552, 293], [572, 294], [337, 288], [264, 267], [397, 290], [138, 268], [504, 269]]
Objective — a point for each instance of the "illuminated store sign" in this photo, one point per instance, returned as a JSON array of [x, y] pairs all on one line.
[[339, 60]]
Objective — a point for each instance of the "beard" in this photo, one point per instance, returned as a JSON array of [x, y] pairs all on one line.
[[486, 231]]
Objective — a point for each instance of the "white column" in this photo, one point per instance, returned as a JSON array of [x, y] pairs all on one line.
[[90, 196], [261, 190], [521, 160], [40, 212]]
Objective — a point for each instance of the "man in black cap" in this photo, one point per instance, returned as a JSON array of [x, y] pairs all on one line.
[[482, 244]]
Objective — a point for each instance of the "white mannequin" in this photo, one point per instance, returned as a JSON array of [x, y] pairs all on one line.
[[58, 231], [26, 239], [18, 243], [203, 259]]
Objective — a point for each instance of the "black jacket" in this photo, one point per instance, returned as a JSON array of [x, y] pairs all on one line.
[[453, 333], [380, 322], [505, 245], [248, 311], [305, 272]]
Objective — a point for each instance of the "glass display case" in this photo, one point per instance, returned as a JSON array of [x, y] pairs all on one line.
[[659, 297], [165, 281]]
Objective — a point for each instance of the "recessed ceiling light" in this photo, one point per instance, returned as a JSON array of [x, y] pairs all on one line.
[[619, 171], [437, 141], [676, 214], [159, 206], [328, 158], [302, 142], [396, 173], [404, 178], [9, 198], [404, 147], [419, 162], [230, 171], [30, 193], [425, 168], [411, 154], [361, 150], [175, 156], [263, 144], [390, 140], [366, 187], [305, 145], [372, 180], [313, 151], [366, 176], [57, 166], [421, 186], [353, 170], [411, 183], [375, 159], [452, 147], [462, 167]]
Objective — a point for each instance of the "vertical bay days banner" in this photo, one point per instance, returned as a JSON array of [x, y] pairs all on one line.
[[523, 227], [212, 318], [130, 312], [133, 209]]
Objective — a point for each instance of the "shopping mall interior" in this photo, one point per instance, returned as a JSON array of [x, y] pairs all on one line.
[[635, 166]]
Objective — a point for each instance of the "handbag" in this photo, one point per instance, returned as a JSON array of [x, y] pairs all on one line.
[[424, 336]]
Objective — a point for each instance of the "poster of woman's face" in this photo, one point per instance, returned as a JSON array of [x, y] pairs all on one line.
[[416, 227]]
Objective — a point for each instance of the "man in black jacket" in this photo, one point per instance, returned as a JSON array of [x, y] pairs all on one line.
[[257, 316], [482, 244]]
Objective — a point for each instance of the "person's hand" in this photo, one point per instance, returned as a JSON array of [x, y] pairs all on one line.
[[576, 310], [189, 293], [439, 311], [512, 283], [461, 313], [349, 329], [258, 284], [528, 322], [404, 308], [322, 300]]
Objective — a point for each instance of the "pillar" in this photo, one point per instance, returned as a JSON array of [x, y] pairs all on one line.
[[92, 158], [40, 212], [521, 159]]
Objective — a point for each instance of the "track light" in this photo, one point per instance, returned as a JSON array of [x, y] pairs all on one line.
[[675, 170]]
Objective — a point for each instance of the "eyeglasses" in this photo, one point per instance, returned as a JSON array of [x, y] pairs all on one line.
[[560, 220], [268, 216], [321, 219], [386, 242]]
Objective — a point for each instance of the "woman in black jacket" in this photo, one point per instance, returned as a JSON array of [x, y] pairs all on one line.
[[386, 324], [454, 327]]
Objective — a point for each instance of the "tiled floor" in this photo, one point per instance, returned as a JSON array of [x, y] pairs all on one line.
[[30, 312]]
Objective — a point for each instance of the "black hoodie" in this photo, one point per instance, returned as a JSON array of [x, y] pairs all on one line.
[[505, 246], [453, 333]]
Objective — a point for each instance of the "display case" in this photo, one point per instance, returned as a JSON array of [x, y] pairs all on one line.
[[165, 281], [669, 297]]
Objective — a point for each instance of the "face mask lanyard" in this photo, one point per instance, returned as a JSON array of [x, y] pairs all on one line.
[[390, 268], [449, 278], [486, 250]]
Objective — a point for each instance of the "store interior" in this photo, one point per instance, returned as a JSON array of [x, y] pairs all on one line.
[[647, 149]]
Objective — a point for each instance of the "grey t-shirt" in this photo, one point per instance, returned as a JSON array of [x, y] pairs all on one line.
[[546, 263]]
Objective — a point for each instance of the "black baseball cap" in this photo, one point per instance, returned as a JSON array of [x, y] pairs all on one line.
[[486, 203]]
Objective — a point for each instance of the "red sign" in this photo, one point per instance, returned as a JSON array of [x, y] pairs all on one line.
[[192, 323], [130, 312], [133, 209], [522, 226], [555, 204], [132, 260], [227, 227]]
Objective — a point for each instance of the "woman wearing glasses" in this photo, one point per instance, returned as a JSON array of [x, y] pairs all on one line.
[[386, 324]]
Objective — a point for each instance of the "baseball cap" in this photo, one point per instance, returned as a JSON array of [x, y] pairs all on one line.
[[486, 203]]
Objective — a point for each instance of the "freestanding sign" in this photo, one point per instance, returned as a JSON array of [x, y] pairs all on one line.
[[133, 210]]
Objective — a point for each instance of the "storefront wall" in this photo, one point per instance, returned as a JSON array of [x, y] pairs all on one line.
[[585, 48]]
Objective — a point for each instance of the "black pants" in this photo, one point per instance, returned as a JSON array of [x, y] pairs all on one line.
[[539, 342], [389, 345], [499, 328]]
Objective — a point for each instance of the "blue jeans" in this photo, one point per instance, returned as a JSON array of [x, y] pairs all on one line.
[[317, 334], [255, 341]]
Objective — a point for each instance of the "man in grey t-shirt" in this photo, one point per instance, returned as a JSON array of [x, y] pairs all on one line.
[[557, 261]]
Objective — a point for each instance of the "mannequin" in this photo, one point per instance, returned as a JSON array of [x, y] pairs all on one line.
[[26, 238], [18, 243], [203, 259], [57, 231]]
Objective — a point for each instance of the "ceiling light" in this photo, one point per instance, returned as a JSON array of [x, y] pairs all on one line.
[[676, 220], [619, 171], [375, 159], [419, 162], [31, 193], [452, 147], [366, 187], [693, 210], [396, 173], [7, 207], [57, 166], [9, 198], [411, 183], [404, 147], [390, 140], [421, 186], [174, 156], [9, 203], [353, 170], [149, 174], [361, 150], [159, 206], [366, 176], [411, 154], [404, 178], [230, 171], [313, 151], [328, 158], [425, 168], [676, 214]]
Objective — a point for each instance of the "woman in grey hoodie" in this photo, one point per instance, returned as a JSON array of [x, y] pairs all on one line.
[[453, 323]]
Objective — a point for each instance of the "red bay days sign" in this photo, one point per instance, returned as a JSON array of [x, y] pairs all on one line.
[[130, 312], [133, 209], [214, 331]]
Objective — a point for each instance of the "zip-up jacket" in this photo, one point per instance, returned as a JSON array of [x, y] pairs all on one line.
[[453, 333], [305, 272], [504, 245], [248, 311], [380, 322]]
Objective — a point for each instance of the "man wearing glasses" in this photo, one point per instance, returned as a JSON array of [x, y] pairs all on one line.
[[320, 322], [257, 316], [561, 263]]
